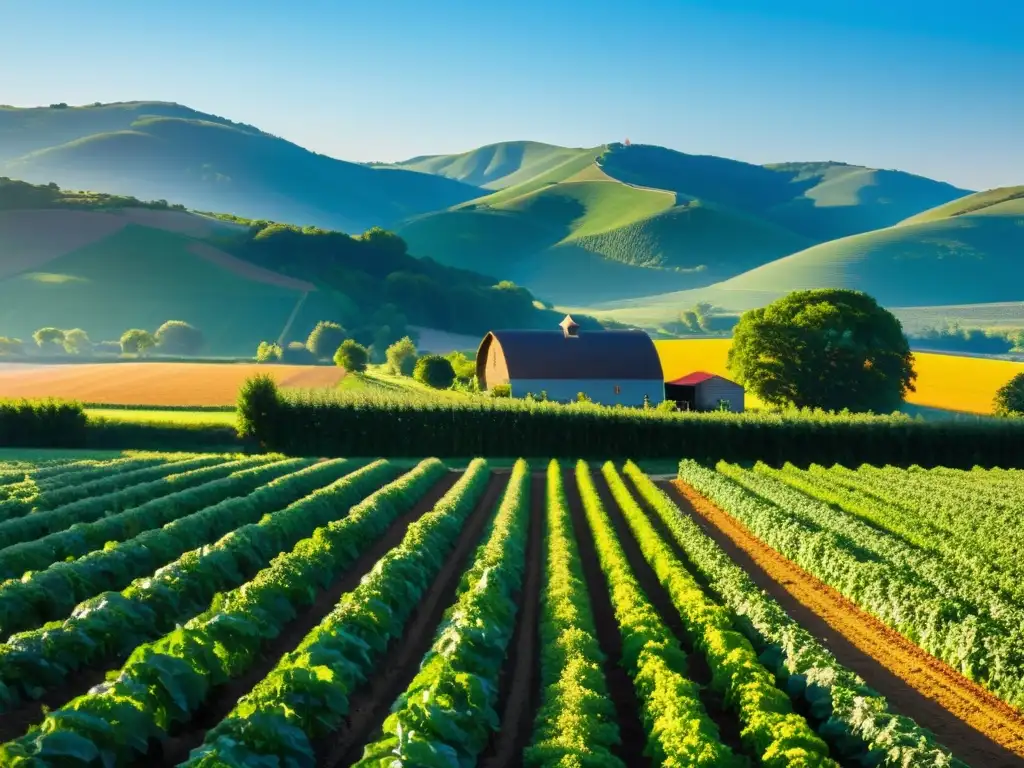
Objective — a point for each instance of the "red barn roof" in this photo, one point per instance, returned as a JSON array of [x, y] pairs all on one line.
[[692, 379]]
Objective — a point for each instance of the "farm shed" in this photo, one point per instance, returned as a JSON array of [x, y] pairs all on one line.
[[609, 367], [700, 391]]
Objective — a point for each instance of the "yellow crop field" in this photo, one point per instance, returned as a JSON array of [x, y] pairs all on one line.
[[943, 381]]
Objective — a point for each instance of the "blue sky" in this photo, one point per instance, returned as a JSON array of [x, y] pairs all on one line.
[[935, 88]]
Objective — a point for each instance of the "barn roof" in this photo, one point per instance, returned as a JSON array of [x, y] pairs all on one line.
[[695, 378], [590, 355]]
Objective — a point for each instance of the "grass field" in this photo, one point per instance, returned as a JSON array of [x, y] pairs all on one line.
[[947, 382], [142, 384], [265, 583]]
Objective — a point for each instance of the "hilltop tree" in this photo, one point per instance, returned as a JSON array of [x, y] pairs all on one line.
[[383, 240], [401, 357], [268, 352], [137, 341], [176, 337], [1009, 399], [76, 342], [434, 371], [829, 348], [49, 339], [325, 339], [352, 356]]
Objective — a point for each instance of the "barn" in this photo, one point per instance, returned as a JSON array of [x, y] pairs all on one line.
[[609, 367], [700, 391]]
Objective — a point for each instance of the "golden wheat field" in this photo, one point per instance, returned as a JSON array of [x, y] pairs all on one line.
[[153, 383], [943, 381]]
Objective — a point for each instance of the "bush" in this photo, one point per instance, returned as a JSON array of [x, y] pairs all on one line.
[[464, 366], [401, 357], [352, 356], [500, 390], [41, 424], [268, 352], [76, 342], [434, 371], [325, 339], [176, 337], [137, 341], [1009, 399], [257, 409], [296, 353]]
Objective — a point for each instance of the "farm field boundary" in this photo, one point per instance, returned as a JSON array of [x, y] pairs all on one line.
[[963, 714]]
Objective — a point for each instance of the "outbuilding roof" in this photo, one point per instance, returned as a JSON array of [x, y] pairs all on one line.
[[623, 355], [695, 378]]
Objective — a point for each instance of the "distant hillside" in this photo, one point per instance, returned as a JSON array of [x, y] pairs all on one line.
[[820, 201], [497, 165], [162, 151], [106, 263], [963, 253], [608, 223]]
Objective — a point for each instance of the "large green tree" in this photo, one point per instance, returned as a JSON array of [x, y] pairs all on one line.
[[136, 341], [325, 339], [1009, 399], [176, 337], [825, 348], [352, 356]]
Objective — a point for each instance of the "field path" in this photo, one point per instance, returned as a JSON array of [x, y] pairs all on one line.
[[976, 726]]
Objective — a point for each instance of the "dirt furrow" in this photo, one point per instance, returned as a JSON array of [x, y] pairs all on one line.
[[620, 687], [175, 748], [370, 704], [697, 666], [976, 726], [519, 687]]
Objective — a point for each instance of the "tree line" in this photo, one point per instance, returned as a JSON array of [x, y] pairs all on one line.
[[175, 337]]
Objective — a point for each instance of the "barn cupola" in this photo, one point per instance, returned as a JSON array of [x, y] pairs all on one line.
[[570, 327]]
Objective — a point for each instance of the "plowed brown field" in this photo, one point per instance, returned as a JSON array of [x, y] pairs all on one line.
[[975, 707], [184, 384]]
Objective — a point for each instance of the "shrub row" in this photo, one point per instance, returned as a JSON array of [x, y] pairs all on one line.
[[41, 424], [336, 425]]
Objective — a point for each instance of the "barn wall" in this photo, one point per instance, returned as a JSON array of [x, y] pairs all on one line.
[[709, 392], [631, 392], [495, 367]]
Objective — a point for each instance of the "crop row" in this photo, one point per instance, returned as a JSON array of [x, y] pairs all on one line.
[[856, 720], [105, 485], [679, 730], [306, 695], [985, 559], [110, 625], [449, 707], [771, 730], [980, 647], [576, 718], [165, 682], [130, 489]]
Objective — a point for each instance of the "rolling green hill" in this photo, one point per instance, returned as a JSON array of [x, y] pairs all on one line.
[[496, 166], [105, 264], [608, 222], [963, 253], [820, 201], [208, 163]]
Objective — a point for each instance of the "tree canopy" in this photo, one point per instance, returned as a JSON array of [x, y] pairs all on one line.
[[176, 337], [352, 356], [1009, 399], [137, 341], [833, 349], [325, 339], [401, 357], [434, 371]]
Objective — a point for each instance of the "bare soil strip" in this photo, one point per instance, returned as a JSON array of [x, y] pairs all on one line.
[[620, 687], [697, 668], [176, 747], [370, 704], [976, 726], [15, 722], [519, 687]]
